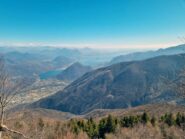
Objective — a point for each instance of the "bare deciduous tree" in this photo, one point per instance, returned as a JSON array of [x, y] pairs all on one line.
[[8, 90]]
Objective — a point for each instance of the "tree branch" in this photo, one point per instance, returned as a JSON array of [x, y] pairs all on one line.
[[6, 129]]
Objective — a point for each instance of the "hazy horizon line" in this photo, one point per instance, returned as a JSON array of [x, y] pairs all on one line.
[[92, 46]]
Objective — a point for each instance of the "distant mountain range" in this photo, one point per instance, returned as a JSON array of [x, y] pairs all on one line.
[[26, 61], [149, 54], [61, 61], [73, 72], [27, 64], [122, 85]]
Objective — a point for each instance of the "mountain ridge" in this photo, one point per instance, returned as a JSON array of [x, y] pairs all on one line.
[[123, 85], [149, 54], [73, 72]]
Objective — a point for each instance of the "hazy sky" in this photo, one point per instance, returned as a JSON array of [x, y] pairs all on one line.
[[94, 23]]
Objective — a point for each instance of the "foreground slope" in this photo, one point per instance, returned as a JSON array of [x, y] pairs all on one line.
[[152, 109], [128, 123], [122, 85]]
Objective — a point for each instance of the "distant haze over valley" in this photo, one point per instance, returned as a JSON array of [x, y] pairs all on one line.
[[49, 70]]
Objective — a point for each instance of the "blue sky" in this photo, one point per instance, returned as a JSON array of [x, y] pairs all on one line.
[[93, 23]]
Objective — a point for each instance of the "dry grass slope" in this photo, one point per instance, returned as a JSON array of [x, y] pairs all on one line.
[[51, 124]]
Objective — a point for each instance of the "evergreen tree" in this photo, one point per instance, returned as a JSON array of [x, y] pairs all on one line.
[[180, 119], [169, 119], [40, 124], [92, 129], [107, 125], [74, 126], [129, 121], [102, 128], [145, 118], [110, 125], [153, 121]]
